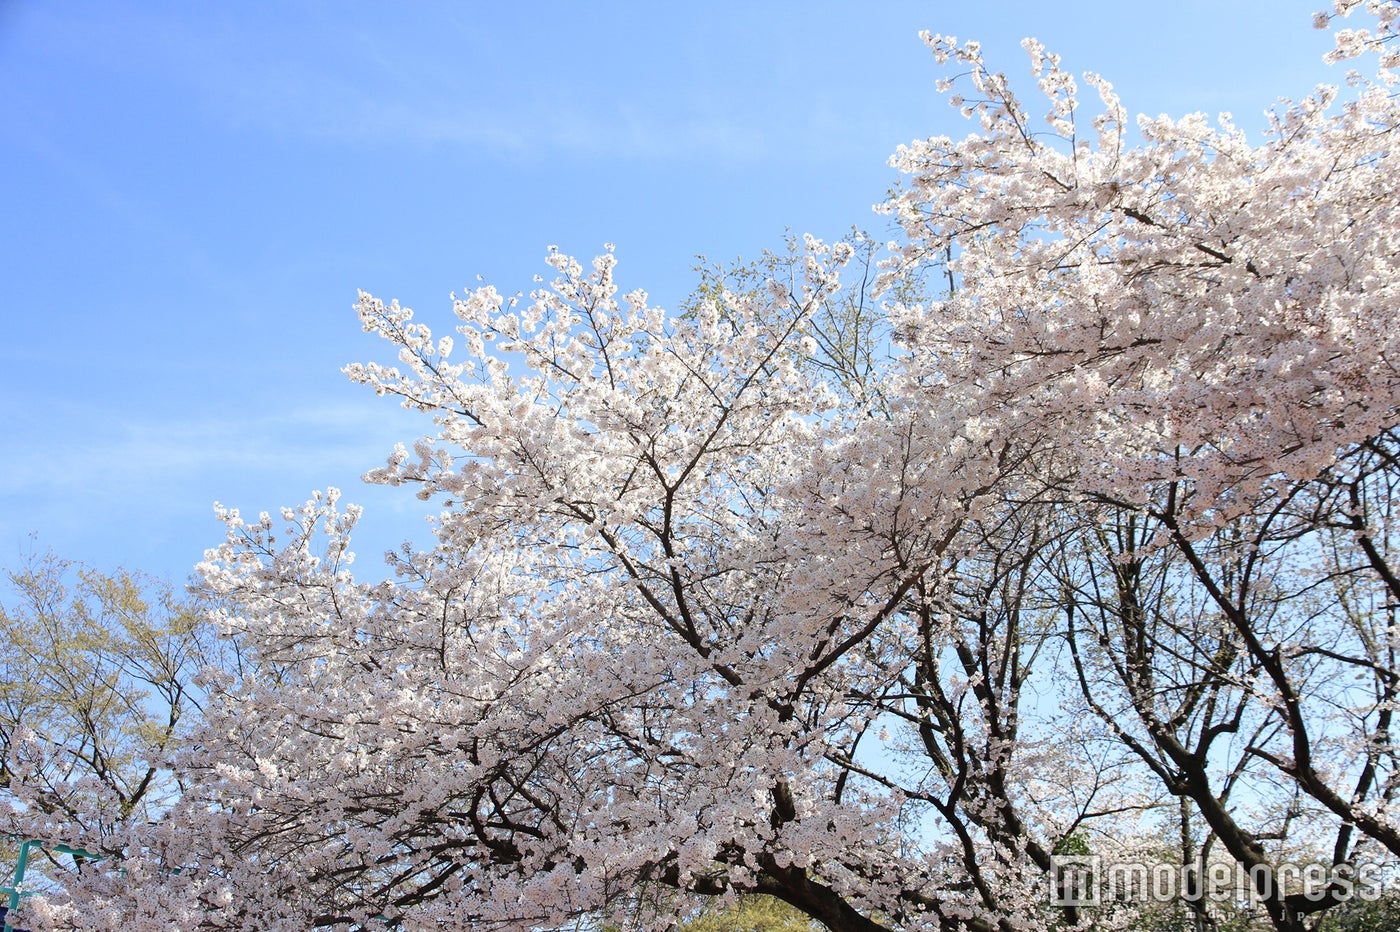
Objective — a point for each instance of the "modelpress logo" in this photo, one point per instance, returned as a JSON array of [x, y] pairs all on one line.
[[1086, 880], [1074, 879]]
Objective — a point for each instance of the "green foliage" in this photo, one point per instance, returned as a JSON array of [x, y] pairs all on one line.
[[1358, 915], [847, 339], [753, 913], [96, 689], [1075, 844]]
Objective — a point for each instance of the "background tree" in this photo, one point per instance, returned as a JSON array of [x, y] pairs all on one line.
[[97, 689], [751, 914]]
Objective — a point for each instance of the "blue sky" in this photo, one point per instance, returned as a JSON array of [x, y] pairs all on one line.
[[193, 192]]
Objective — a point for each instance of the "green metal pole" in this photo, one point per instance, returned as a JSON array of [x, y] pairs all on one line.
[[20, 866], [23, 863]]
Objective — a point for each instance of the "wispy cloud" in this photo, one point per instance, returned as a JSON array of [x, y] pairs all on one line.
[[143, 477], [587, 96], [140, 451], [292, 98]]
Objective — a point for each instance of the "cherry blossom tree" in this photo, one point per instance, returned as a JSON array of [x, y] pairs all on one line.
[[1089, 539], [1193, 339]]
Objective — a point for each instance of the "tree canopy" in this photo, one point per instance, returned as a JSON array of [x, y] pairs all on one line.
[[877, 580], [97, 690]]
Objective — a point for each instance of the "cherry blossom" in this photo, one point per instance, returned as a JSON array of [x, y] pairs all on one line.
[[1088, 543]]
